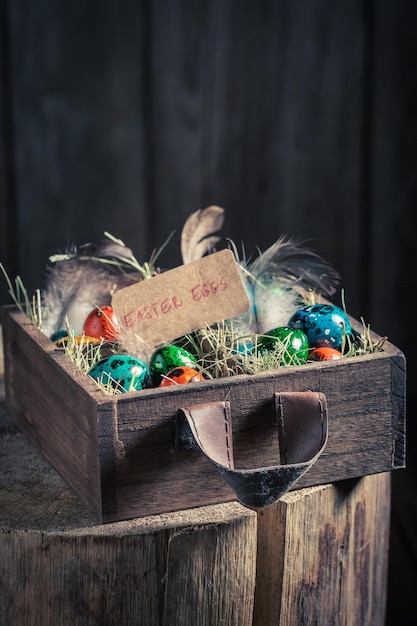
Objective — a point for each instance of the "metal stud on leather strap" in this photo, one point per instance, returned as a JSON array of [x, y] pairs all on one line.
[[301, 419]]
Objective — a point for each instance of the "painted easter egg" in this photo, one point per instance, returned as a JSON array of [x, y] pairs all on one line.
[[180, 376], [243, 347], [121, 371], [166, 358], [325, 354], [292, 343], [102, 323], [324, 325], [80, 340], [57, 335]]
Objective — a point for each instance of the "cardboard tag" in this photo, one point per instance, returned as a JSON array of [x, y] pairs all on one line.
[[181, 300]]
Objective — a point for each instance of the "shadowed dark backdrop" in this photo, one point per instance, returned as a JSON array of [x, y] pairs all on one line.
[[298, 118]]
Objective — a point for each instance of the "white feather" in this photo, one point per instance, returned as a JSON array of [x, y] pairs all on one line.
[[277, 281], [82, 279], [197, 236]]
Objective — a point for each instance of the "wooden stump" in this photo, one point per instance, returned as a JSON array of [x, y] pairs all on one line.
[[177, 571], [319, 556], [58, 567], [323, 556]]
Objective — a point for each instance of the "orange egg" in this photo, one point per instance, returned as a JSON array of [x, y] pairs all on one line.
[[325, 354], [78, 339], [180, 376], [102, 323]]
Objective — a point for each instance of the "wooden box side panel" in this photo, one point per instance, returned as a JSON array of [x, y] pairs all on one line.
[[365, 417], [365, 413], [51, 406], [119, 453], [398, 392]]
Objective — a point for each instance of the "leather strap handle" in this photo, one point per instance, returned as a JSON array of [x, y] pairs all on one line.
[[301, 419]]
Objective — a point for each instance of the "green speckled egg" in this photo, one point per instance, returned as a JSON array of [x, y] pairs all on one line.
[[293, 344], [166, 358], [122, 371]]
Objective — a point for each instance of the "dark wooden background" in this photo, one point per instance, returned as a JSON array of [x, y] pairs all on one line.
[[297, 116]]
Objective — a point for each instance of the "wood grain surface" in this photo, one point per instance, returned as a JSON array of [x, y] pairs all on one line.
[[320, 555], [298, 118], [325, 562], [57, 566], [118, 452]]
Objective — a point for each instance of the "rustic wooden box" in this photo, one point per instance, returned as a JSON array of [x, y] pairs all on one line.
[[118, 452]]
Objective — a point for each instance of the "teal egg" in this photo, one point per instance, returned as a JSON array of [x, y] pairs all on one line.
[[324, 324], [243, 347], [292, 343], [122, 371], [167, 358], [57, 335]]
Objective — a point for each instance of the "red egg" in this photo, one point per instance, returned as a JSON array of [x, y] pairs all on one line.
[[102, 323], [180, 376], [325, 354]]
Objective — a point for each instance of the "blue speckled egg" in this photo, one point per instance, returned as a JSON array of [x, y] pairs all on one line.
[[292, 344], [167, 358], [121, 371], [243, 347], [324, 324]]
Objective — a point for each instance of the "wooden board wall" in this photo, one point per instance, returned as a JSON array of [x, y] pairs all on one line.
[[297, 118]]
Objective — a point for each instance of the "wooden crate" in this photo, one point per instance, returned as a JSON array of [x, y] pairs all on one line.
[[118, 452]]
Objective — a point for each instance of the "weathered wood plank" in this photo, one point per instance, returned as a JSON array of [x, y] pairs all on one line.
[[130, 121], [8, 211], [118, 452], [323, 556], [62, 423], [210, 575], [161, 108], [393, 181], [260, 110], [79, 93], [174, 570], [58, 567]]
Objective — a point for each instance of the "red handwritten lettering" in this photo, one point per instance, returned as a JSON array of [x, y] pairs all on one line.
[[223, 284], [140, 315], [127, 319], [152, 311], [196, 293], [166, 306], [204, 290]]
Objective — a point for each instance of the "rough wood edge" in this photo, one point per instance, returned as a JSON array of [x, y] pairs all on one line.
[[22, 320], [323, 553]]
